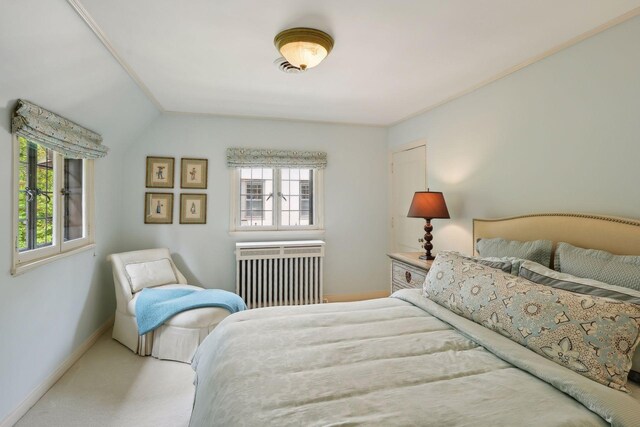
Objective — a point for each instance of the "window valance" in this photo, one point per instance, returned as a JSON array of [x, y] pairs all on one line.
[[56, 133], [255, 157]]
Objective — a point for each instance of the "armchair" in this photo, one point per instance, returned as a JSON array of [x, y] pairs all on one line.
[[179, 337]]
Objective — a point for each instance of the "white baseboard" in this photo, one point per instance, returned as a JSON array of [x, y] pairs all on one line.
[[41, 389]]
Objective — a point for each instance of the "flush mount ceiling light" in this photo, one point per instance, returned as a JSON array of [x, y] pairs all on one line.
[[303, 47]]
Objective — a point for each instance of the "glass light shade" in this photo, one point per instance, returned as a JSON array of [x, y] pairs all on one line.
[[303, 54], [303, 47]]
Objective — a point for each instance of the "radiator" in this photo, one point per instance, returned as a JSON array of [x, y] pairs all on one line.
[[279, 273]]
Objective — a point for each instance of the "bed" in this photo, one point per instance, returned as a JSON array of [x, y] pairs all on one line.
[[405, 360]]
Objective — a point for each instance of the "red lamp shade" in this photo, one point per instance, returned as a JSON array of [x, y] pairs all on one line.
[[428, 205]]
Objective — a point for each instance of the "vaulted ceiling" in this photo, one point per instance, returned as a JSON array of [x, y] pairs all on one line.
[[391, 60]]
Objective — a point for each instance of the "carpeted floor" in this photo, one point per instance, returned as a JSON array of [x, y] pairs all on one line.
[[111, 386]]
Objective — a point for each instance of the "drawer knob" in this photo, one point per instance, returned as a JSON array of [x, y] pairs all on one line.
[[407, 276]]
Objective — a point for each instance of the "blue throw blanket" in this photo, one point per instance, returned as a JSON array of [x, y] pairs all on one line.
[[154, 306]]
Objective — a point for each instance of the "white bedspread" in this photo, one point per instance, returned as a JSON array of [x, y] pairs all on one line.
[[381, 362]]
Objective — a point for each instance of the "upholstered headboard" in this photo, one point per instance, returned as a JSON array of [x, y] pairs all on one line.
[[616, 235]]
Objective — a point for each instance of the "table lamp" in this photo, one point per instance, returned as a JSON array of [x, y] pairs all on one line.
[[428, 205]]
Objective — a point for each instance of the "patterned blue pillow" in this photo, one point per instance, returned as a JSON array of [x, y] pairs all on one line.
[[593, 336], [545, 276]]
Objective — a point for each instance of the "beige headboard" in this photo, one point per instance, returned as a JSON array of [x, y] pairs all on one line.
[[616, 235]]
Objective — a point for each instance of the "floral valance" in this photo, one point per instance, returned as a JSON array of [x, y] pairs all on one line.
[[257, 157], [56, 133]]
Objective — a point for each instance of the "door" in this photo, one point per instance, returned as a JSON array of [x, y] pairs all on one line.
[[408, 175]]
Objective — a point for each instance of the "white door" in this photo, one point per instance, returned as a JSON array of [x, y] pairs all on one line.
[[408, 175]]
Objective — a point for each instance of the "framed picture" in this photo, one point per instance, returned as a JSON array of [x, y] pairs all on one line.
[[193, 208], [160, 172], [158, 208], [193, 173]]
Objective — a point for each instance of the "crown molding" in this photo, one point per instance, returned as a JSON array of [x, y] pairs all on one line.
[[573, 41], [84, 14], [272, 118]]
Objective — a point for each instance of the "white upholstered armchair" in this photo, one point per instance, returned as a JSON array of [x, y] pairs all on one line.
[[179, 337]]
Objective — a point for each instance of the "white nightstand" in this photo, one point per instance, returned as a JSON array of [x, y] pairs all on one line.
[[408, 270]]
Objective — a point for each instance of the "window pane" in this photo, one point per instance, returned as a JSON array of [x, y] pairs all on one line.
[[256, 197], [294, 218], [23, 149], [294, 203], [73, 199], [297, 188], [44, 232], [284, 218], [22, 205], [22, 235]]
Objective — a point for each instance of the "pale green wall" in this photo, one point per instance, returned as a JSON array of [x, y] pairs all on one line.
[[355, 213], [46, 313], [560, 135]]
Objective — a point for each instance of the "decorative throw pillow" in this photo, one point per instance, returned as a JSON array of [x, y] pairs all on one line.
[[536, 250], [619, 270], [590, 335], [151, 273], [545, 276]]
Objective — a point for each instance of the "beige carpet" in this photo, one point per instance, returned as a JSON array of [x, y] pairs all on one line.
[[111, 386]]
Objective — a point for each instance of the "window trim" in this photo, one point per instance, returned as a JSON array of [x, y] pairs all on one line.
[[24, 261], [234, 211]]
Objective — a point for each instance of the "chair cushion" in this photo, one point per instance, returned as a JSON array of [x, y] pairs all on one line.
[[149, 274], [196, 318]]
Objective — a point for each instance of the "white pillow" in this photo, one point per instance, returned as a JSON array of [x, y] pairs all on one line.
[[148, 274]]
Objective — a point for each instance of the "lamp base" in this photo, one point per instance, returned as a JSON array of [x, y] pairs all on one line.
[[427, 257]]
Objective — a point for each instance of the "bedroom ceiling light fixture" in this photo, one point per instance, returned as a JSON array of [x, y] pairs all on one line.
[[428, 205], [303, 47]]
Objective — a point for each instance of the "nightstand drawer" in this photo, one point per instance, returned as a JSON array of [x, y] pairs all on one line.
[[405, 276]]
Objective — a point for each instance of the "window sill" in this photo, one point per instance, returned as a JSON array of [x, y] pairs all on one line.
[[30, 265], [275, 234]]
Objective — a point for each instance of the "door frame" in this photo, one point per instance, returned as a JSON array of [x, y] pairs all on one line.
[[393, 150]]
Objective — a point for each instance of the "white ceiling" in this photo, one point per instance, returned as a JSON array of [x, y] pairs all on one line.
[[392, 58]]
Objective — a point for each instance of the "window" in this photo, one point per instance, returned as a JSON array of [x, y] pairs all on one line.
[[53, 203], [276, 198]]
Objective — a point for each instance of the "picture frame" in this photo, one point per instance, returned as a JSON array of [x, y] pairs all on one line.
[[193, 208], [193, 173], [158, 208], [160, 172]]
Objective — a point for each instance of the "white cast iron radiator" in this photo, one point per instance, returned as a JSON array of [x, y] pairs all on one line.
[[279, 273]]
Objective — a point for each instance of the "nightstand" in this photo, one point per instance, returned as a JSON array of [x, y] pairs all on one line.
[[408, 270]]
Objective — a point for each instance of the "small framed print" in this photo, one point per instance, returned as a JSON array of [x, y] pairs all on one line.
[[158, 208], [193, 173], [160, 172], [193, 208]]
